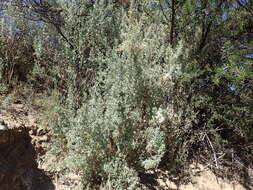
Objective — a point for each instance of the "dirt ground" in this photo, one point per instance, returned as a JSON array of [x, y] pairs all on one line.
[[203, 179], [17, 115]]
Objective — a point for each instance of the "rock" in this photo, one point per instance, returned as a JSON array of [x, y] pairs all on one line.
[[3, 126], [18, 166]]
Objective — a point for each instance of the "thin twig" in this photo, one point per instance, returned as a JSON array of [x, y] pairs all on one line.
[[214, 153], [165, 16], [217, 159]]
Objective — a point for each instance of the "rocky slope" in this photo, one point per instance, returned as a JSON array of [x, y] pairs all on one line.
[[19, 152]]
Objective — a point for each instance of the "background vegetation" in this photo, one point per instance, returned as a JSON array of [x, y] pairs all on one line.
[[142, 84]]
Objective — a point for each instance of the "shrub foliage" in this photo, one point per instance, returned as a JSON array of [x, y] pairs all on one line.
[[144, 84]]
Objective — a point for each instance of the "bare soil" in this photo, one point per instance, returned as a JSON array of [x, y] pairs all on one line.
[[29, 170]]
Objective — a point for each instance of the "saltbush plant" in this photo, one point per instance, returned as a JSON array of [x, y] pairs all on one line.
[[114, 129]]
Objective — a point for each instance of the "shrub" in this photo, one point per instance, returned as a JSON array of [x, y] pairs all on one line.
[[114, 127], [17, 59]]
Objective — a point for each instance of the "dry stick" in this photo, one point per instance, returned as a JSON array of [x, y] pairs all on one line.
[[214, 153], [217, 159], [242, 164]]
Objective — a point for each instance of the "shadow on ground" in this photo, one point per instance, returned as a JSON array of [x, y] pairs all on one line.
[[18, 166]]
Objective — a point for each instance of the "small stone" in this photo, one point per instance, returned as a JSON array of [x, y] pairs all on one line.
[[3, 127]]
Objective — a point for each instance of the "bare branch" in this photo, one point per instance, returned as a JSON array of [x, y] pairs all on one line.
[[43, 11]]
